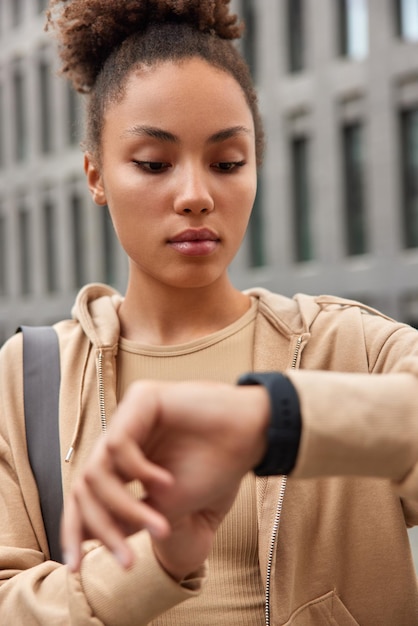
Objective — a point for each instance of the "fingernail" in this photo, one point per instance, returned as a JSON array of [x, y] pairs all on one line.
[[156, 531], [122, 558], [69, 560]]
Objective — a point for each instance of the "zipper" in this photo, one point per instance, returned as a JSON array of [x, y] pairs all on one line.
[[272, 546], [277, 516], [101, 392], [295, 356]]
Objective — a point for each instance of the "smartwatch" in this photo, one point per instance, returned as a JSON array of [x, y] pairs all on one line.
[[284, 431]]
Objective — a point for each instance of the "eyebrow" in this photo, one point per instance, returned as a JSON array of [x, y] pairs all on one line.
[[228, 133], [164, 135]]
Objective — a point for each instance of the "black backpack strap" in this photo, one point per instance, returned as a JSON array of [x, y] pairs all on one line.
[[41, 379]]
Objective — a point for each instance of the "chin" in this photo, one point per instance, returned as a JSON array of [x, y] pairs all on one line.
[[195, 280]]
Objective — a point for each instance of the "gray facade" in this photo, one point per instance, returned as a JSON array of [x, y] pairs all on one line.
[[52, 238], [337, 210], [331, 93]]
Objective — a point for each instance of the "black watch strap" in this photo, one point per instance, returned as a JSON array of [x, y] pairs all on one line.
[[283, 435]]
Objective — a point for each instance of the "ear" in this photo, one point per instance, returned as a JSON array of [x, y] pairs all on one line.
[[94, 180]]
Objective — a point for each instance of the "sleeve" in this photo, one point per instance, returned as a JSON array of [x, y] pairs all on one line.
[[35, 590], [364, 424]]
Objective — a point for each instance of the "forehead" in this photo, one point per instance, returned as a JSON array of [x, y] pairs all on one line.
[[189, 95]]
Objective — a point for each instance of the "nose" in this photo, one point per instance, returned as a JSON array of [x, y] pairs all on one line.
[[193, 195]]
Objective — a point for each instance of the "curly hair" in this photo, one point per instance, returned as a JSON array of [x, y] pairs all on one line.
[[102, 41]]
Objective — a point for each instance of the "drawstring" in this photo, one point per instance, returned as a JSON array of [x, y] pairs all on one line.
[[80, 403]]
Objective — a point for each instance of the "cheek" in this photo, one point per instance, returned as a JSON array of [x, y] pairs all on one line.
[[136, 222], [247, 198], [133, 196], [239, 219]]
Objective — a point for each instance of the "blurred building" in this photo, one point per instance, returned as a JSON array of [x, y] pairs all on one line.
[[52, 238], [337, 208]]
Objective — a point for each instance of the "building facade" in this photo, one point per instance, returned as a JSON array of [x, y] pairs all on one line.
[[337, 206], [52, 238], [338, 82]]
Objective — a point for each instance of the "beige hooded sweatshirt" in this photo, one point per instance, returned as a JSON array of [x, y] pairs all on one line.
[[332, 549]]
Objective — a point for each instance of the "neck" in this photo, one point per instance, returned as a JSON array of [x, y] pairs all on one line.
[[167, 316]]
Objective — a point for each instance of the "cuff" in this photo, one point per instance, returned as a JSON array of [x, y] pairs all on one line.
[[119, 597]]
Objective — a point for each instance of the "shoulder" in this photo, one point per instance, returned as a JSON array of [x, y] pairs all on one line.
[[335, 328], [303, 313], [11, 387], [311, 307], [11, 354]]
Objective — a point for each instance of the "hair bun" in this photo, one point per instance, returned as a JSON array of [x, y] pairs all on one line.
[[89, 30]]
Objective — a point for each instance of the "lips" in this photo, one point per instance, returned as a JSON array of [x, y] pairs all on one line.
[[195, 242], [191, 234]]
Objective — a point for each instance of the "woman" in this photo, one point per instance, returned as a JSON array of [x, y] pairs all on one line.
[[173, 141]]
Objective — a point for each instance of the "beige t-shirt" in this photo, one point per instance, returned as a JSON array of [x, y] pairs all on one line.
[[234, 592]]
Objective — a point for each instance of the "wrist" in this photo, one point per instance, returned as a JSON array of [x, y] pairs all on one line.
[[174, 570], [258, 417], [282, 435]]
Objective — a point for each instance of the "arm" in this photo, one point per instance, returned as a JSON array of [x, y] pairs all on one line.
[[357, 424], [352, 424], [185, 428], [34, 589]]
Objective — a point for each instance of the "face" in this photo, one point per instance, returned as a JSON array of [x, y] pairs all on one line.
[[178, 172]]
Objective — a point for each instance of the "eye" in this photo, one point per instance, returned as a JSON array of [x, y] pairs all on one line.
[[153, 167], [227, 166]]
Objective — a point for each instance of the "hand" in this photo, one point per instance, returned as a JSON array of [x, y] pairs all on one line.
[[189, 444]]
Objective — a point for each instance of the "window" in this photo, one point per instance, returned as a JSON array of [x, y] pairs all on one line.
[[42, 5], [3, 256], [110, 248], [20, 121], [50, 257], [24, 251], [255, 230], [409, 308], [295, 35], [45, 111], [16, 7], [74, 114], [407, 19], [409, 139], [2, 123], [79, 249], [303, 248], [249, 38], [3, 336], [353, 28], [354, 188]]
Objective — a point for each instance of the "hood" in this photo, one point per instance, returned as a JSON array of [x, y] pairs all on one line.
[[96, 309], [290, 316]]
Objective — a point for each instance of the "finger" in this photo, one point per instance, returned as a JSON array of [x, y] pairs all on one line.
[[71, 535], [138, 410], [112, 495], [124, 457], [107, 515], [105, 480], [87, 518]]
